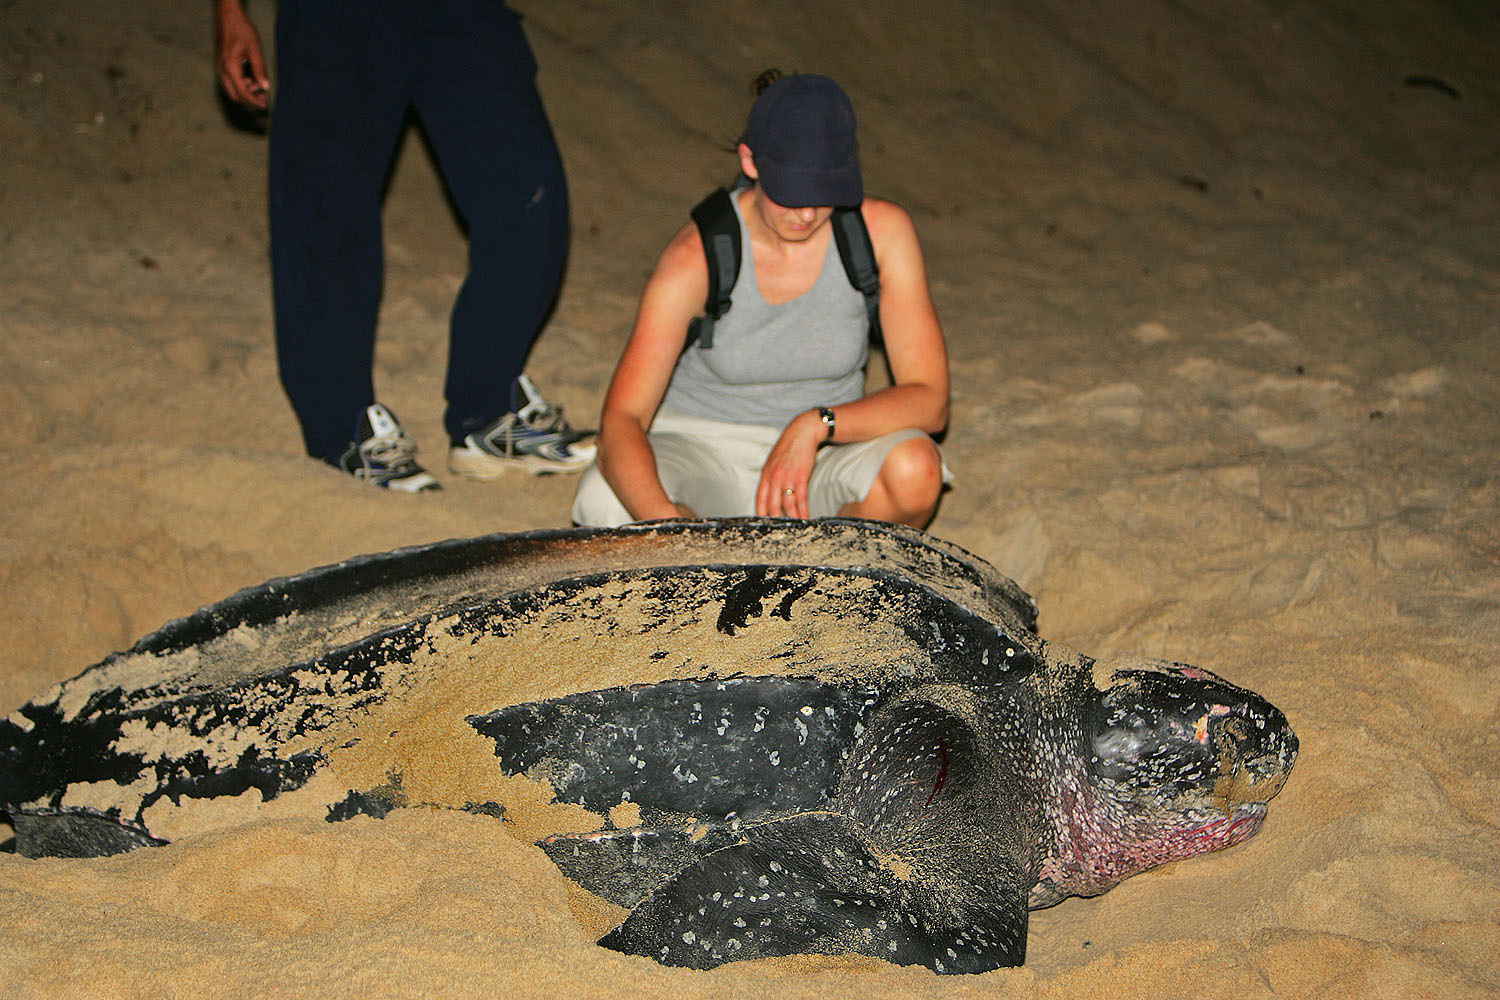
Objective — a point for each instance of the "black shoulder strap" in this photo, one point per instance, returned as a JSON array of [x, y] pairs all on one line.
[[858, 255], [719, 229]]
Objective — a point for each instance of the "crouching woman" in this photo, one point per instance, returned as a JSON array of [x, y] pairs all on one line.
[[768, 415]]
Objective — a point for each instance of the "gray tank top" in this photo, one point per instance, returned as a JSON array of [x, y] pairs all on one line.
[[769, 363]]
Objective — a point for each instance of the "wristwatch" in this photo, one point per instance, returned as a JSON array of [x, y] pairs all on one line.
[[826, 415]]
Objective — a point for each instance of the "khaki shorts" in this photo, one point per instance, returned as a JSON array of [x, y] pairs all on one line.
[[714, 468]]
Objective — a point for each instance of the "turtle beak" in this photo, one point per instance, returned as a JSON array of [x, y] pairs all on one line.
[[1255, 747]]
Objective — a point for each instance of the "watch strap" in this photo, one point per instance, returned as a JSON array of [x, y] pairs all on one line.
[[826, 415]]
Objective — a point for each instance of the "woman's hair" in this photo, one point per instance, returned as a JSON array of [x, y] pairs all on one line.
[[757, 86], [764, 80]]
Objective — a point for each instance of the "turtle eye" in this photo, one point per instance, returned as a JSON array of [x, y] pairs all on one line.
[[1120, 745], [1151, 745], [1114, 755]]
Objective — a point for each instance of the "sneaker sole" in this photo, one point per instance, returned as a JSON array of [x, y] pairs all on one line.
[[424, 483], [479, 465]]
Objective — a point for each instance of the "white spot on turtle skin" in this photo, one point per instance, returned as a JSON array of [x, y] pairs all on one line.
[[688, 937], [807, 710], [775, 758]]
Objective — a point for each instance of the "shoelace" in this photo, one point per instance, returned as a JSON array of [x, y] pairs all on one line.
[[392, 451], [547, 419]]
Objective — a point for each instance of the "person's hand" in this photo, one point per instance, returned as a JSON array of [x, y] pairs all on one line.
[[784, 477], [238, 58]]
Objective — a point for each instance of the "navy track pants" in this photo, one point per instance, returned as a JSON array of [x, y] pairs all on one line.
[[348, 73]]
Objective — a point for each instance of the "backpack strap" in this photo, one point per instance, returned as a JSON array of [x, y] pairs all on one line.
[[719, 229], [858, 255]]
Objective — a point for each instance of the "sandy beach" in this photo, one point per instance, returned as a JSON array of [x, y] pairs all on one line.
[[1221, 287]]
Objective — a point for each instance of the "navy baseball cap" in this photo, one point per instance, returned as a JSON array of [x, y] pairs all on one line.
[[801, 133]]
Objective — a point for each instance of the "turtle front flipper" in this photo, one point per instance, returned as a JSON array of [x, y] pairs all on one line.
[[814, 883], [924, 861]]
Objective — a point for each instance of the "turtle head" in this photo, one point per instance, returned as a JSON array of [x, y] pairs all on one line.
[[1187, 760]]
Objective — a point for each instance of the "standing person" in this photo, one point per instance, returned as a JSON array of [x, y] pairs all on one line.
[[770, 416], [347, 74]]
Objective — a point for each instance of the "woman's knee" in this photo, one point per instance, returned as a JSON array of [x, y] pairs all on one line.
[[912, 473], [906, 489]]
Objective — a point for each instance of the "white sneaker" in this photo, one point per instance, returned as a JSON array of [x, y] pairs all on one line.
[[385, 455], [534, 437]]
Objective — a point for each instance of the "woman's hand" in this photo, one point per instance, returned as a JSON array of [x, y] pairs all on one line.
[[783, 479]]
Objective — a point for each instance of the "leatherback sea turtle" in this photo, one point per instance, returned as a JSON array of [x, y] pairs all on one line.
[[794, 737]]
